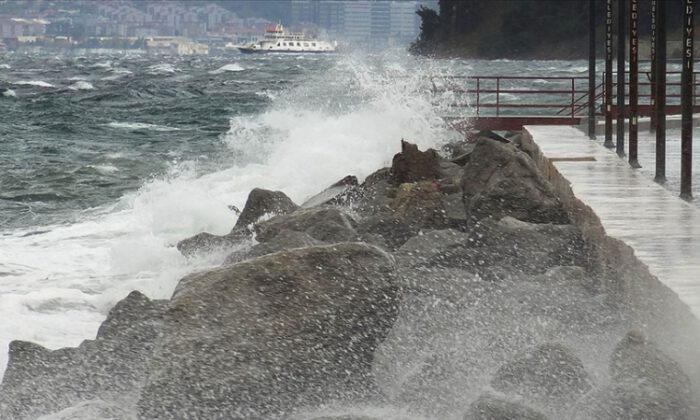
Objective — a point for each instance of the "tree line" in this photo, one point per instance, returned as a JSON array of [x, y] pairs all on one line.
[[523, 28]]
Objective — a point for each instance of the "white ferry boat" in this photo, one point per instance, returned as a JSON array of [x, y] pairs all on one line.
[[276, 40]]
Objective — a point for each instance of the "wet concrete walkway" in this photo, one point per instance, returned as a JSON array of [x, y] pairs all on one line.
[[663, 229]]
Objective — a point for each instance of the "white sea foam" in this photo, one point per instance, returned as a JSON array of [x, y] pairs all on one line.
[[105, 169], [117, 73], [266, 94], [141, 126], [162, 68], [103, 65], [9, 93], [39, 83], [5, 66], [81, 85], [61, 280], [233, 67]]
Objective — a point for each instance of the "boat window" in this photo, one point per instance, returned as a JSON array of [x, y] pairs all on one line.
[[278, 44], [313, 44], [298, 44], [306, 44]]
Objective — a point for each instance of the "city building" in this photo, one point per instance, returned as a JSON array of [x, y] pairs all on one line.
[[175, 45], [14, 27], [360, 22]]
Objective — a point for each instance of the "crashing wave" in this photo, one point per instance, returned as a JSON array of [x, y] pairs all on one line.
[[141, 126], [81, 85], [233, 67], [39, 83]]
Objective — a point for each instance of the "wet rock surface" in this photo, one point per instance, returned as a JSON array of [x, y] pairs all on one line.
[[259, 337], [549, 375], [263, 202], [113, 367], [502, 180], [489, 407], [439, 288]]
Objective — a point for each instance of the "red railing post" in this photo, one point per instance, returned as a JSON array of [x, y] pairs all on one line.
[[498, 96], [478, 92], [573, 94], [687, 103]]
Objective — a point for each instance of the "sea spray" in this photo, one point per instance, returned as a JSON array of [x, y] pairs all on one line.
[[325, 118]]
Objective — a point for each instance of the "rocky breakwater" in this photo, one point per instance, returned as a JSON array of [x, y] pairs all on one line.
[[451, 285]]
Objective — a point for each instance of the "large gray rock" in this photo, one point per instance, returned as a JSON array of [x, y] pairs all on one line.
[[636, 359], [501, 180], [489, 407], [646, 384], [393, 231], [93, 410], [411, 208], [338, 193], [261, 337], [419, 204], [631, 401], [373, 195], [263, 202], [511, 246], [286, 239], [206, 242], [260, 203], [549, 375], [325, 223], [111, 368], [421, 249]]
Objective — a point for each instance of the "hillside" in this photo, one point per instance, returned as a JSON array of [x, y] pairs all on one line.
[[535, 29]]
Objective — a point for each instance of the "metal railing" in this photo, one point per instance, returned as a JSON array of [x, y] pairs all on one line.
[[646, 91], [517, 95], [561, 96]]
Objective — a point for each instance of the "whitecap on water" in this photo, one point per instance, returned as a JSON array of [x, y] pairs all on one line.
[[233, 67], [141, 126], [121, 71], [39, 83], [104, 169], [9, 93], [103, 65], [163, 68], [266, 94], [81, 85], [5, 66]]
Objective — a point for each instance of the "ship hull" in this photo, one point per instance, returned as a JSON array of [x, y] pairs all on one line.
[[246, 50]]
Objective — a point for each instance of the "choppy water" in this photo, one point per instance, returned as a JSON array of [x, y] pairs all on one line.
[[106, 162]]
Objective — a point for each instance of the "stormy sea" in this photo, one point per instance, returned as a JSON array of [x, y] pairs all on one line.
[[108, 161]]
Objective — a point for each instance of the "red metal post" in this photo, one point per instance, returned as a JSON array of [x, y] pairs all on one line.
[[660, 88], [634, 85], [608, 73], [498, 96], [591, 70], [652, 79], [478, 91], [687, 103], [620, 141], [573, 96]]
